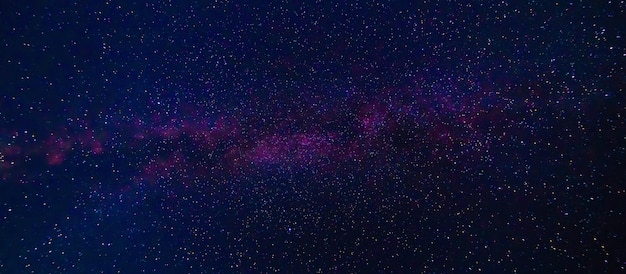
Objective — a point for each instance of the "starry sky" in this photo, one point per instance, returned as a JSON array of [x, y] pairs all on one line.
[[312, 136]]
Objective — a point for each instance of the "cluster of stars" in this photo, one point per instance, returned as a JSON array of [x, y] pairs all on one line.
[[381, 136]]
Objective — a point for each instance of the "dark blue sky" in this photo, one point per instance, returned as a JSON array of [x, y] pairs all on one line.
[[379, 136]]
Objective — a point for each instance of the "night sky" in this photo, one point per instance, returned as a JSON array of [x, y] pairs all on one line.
[[255, 136]]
